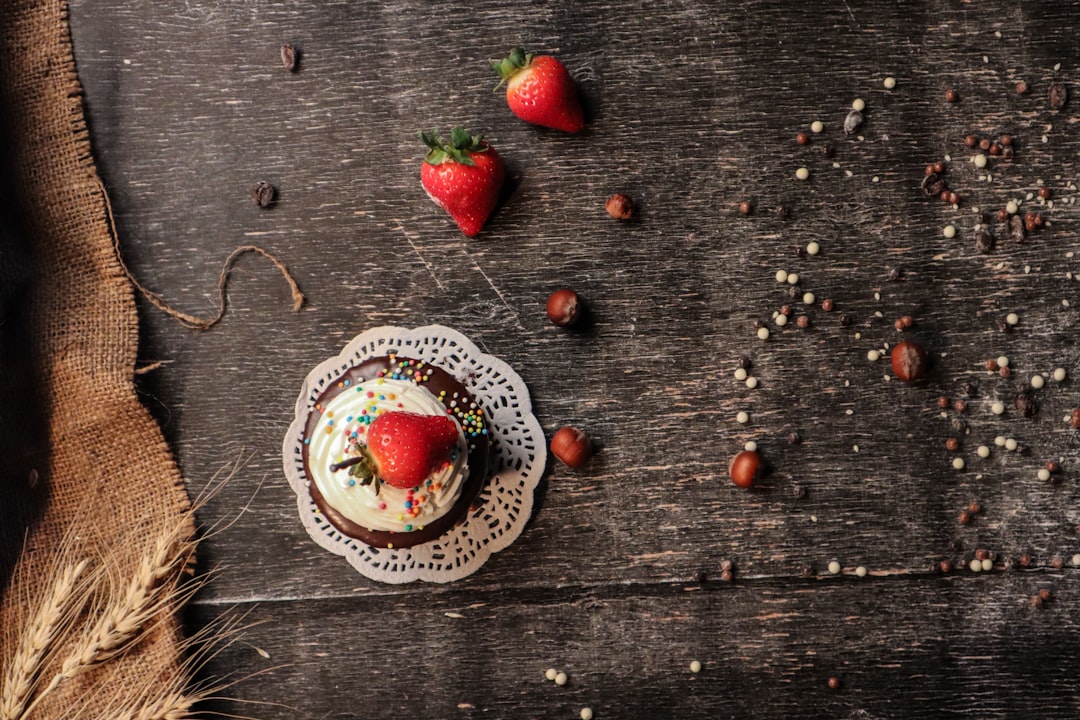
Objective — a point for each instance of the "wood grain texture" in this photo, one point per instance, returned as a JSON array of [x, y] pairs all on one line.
[[692, 109]]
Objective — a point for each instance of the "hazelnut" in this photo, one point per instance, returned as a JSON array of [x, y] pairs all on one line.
[[908, 361], [834, 683], [745, 207], [620, 206], [744, 468], [564, 307], [571, 446]]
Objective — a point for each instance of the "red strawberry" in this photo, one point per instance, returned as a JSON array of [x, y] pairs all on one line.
[[407, 447], [540, 90], [463, 177]]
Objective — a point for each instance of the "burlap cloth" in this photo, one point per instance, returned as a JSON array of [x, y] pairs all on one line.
[[76, 445]]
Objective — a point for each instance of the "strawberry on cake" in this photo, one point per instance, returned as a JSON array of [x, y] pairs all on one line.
[[395, 452]]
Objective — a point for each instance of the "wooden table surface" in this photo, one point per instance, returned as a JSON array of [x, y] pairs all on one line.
[[692, 108]]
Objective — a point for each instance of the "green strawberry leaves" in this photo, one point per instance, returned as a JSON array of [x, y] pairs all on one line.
[[510, 65], [361, 468], [457, 150], [365, 474]]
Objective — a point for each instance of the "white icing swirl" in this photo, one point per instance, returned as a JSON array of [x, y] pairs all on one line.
[[344, 421]]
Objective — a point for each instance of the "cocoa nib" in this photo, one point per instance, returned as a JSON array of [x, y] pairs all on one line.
[[1025, 405], [933, 185], [1016, 229], [263, 194], [1057, 96], [852, 122]]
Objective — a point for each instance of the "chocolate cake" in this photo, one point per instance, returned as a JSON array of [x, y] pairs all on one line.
[[376, 513]]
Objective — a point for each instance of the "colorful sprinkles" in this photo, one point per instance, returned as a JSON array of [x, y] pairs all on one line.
[[469, 415]]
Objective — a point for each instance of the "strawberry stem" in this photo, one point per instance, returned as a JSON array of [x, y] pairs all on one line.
[[511, 65], [347, 462], [457, 150]]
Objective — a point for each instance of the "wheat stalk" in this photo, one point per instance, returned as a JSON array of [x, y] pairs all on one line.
[[126, 616], [173, 697], [55, 612], [94, 612], [173, 706]]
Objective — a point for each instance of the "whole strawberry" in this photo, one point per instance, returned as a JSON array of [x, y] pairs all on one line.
[[463, 177], [404, 448], [540, 90]]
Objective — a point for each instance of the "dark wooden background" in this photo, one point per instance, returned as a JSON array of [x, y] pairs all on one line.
[[692, 107]]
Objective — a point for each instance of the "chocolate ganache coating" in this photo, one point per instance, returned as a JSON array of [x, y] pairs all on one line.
[[454, 397]]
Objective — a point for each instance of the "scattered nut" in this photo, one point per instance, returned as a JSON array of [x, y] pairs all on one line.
[[572, 446], [744, 468], [620, 206], [908, 361], [564, 307]]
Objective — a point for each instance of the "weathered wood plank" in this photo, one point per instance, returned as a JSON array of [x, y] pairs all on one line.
[[953, 647], [203, 110]]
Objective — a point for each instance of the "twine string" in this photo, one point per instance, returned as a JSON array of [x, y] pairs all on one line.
[[186, 319]]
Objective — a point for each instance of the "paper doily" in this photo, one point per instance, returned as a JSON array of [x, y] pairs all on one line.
[[519, 453]]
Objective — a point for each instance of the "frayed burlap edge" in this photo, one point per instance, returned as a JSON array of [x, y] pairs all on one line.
[[106, 469]]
